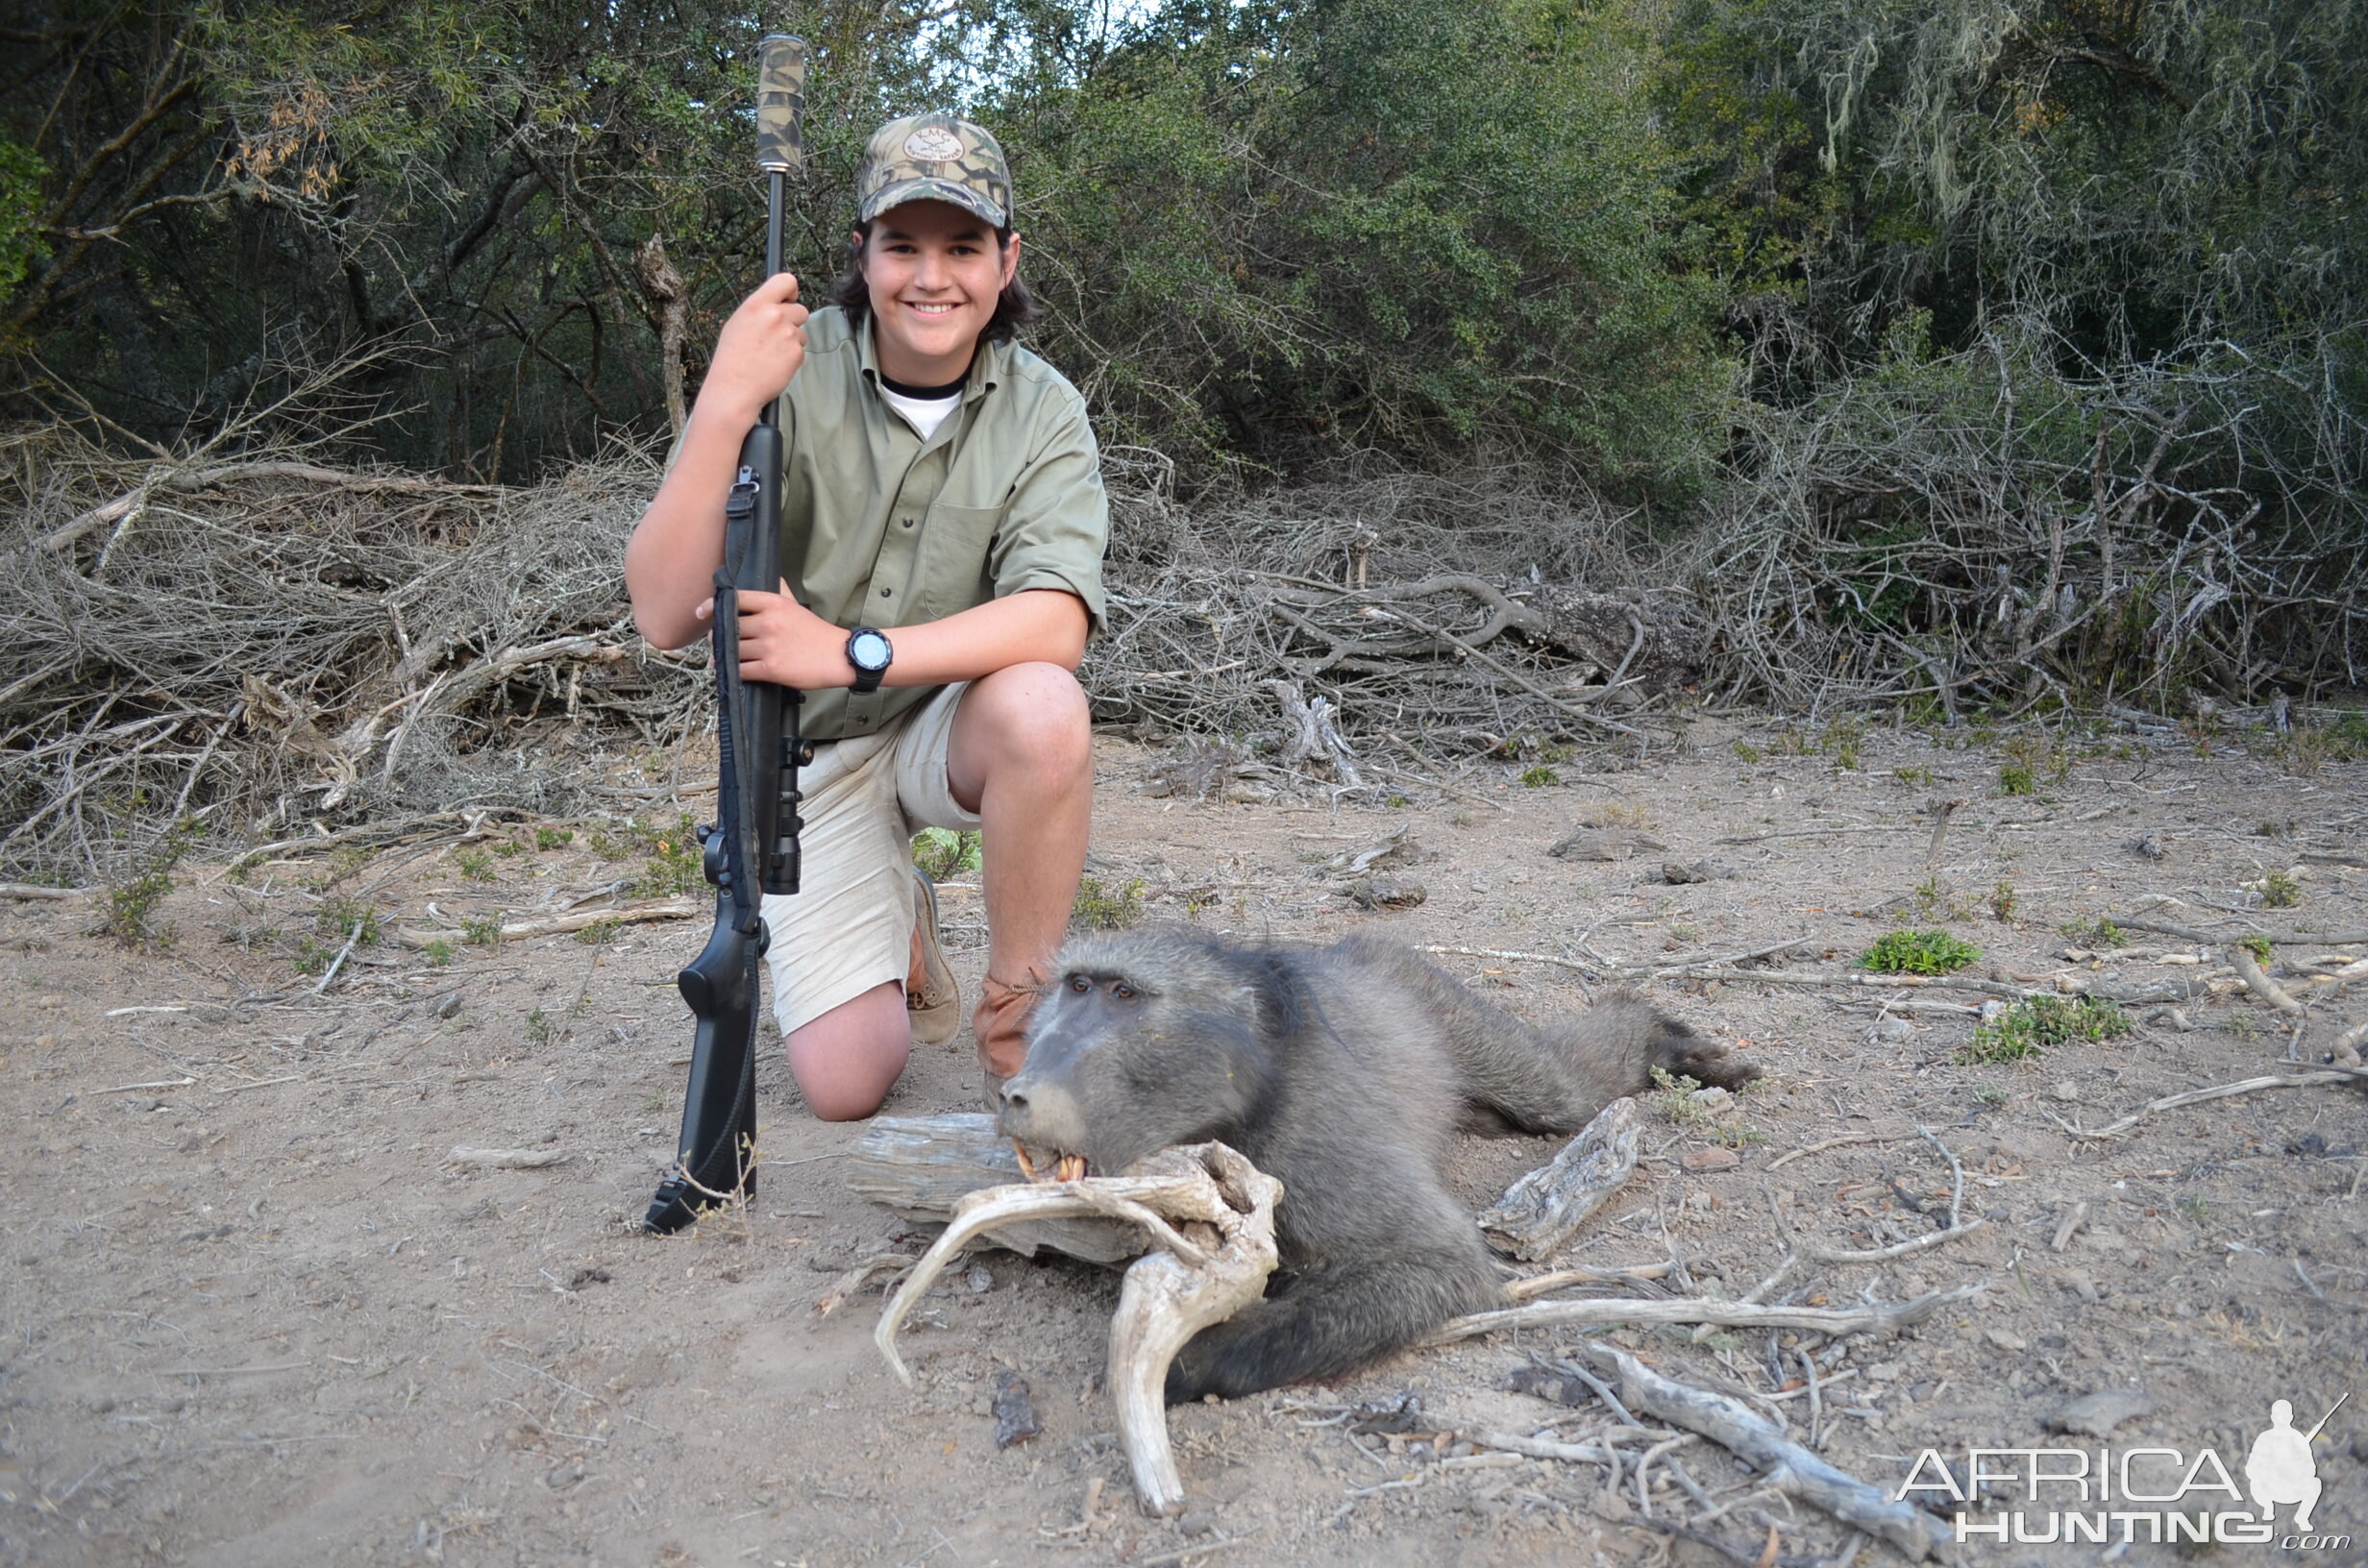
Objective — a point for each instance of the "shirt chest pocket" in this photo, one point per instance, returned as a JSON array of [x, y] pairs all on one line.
[[952, 573]]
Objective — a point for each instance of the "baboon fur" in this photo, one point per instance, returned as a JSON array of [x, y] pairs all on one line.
[[1345, 1072]]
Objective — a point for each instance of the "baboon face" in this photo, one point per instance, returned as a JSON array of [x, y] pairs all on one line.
[[1120, 1065]]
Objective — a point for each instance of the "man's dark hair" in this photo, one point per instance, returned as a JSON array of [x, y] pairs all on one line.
[[1015, 307]]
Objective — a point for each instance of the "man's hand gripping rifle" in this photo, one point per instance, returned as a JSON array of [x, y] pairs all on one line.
[[752, 848]]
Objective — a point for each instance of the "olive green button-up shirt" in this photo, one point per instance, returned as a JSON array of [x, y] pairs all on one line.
[[882, 529]]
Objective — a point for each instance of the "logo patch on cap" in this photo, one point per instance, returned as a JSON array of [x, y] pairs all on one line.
[[933, 144]]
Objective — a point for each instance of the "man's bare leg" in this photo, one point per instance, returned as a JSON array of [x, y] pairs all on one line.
[[1022, 757], [846, 1059]]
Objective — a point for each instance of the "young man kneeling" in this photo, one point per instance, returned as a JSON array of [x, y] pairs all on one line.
[[943, 527]]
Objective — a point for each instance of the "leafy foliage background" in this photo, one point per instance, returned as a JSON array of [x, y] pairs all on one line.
[[2014, 332]]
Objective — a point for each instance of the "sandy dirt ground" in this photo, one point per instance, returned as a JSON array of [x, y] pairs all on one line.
[[251, 1313]]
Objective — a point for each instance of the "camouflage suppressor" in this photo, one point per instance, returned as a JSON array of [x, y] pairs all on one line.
[[781, 104]]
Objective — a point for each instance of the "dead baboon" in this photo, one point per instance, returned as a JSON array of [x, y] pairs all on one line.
[[1345, 1072]]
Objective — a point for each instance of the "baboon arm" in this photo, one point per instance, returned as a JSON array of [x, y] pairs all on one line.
[[1329, 1322]]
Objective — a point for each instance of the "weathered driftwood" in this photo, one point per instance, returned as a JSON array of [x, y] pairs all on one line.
[[922, 1166], [1542, 1210], [1594, 1310], [1763, 1444], [1203, 1273]]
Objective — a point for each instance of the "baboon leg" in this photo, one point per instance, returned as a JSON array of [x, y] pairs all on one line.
[[1330, 1321], [1503, 1062]]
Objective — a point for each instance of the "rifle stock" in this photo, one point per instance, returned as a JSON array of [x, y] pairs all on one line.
[[751, 849]]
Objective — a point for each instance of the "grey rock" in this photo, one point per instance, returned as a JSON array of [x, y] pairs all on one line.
[[1386, 893], [2097, 1414], [1604, 844], [1015, 1413]]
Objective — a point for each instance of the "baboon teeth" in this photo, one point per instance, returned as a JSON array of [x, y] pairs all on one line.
[[1065, 1168]]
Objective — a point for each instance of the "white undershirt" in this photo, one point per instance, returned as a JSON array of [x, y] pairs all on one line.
[[923, 414]]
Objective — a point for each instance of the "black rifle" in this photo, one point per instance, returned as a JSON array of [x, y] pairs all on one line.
[[752, 848]]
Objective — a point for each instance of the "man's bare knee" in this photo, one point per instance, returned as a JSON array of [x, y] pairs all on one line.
[[848, 1060], [1034, 711]]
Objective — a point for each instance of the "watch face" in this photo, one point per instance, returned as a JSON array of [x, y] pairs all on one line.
[[867, 650]]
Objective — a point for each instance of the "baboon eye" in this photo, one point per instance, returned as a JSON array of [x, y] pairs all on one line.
[[1124, 991], [1079, 984]]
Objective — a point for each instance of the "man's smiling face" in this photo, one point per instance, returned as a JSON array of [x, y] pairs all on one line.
[[934, 273]]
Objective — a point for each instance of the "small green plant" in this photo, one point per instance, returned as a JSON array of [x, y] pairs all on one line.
[[599, 933], [653, 1102], [1745, 751], [2195, 1209], [2100, 932], [1840, 742], [2029, 1027], [1554, 756], [439, 951], [481, 931], [338, 918], [554, 838], [1615, 814], [1991, 1095], [1107, 909], [943, 854], [1675, 1101], [2280, 890], [507, 846], [541, 1029], [128, 914], [677, 862], [2260, 947], [2037, 758], [1916, 776], [2016, 780], [1397, 802], [475, 866], [1540, 776], [2002, 902], [1462, 819], [1918, 953]]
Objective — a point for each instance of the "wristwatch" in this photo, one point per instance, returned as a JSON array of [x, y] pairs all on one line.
[[869, 653]]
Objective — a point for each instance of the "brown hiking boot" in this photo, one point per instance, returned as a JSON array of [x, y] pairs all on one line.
[[1000, 1021], [932, 1002]]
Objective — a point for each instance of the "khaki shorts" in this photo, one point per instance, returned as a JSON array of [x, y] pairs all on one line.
[[849, 925]]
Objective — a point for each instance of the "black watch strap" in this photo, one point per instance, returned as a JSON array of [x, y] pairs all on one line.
[[869, 652]]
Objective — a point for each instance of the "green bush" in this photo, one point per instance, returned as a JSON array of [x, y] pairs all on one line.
[[2029, 1027], [943, 854], [1107, 909], [1918, 953]]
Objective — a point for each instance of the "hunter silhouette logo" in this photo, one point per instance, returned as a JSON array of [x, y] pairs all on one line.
[[2281, 1468], [2143, 1495]]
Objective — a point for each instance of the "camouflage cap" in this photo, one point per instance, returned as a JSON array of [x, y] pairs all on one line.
[[934, 157]]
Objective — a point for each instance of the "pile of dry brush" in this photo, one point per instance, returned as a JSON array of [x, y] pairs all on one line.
[[260, 641]]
